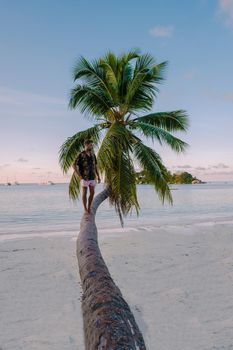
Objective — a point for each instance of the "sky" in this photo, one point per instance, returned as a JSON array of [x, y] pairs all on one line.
[[40, 42]]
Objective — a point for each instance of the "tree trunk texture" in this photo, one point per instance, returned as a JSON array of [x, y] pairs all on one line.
[[108, 321]]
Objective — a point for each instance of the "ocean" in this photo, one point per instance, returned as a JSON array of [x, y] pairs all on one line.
[[30, 209]]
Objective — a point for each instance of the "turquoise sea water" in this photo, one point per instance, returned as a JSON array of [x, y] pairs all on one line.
[[31, 208]]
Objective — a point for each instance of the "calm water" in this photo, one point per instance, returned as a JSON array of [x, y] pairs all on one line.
[[41, 209]]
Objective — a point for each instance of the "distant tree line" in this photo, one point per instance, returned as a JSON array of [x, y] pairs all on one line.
[[172, 178]]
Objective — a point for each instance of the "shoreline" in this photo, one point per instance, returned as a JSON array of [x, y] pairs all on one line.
[[176, 279], [117, 229]]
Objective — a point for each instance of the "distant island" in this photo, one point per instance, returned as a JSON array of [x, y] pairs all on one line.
[[175, 178]]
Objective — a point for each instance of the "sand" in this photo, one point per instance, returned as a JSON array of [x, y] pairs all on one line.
[[178, 281]]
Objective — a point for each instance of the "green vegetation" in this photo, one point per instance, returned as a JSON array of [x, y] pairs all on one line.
[[115, 92], [175, 178]]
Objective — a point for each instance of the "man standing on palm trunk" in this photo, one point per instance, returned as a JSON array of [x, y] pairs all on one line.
[[85, 166]]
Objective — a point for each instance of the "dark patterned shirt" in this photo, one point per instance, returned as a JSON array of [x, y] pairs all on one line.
[[87, 165]]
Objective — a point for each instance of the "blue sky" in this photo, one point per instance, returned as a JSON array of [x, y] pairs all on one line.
[[40, 41]]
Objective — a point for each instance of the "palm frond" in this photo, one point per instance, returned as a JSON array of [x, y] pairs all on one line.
[[157, 133], [126, 77], [158, 70], [116, 71], [84, 69], [111, 79], [144, 63], [140, 94], [154, 169], [116, 165], [123, 185], [92, 74], [128, 56], [116, 138], [125, 70], [142, 88], [111, 59], [73, 145], [170, 121], [93, 101], [74, 186]]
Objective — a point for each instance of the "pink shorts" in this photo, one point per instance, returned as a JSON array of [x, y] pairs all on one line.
[[87, 183]]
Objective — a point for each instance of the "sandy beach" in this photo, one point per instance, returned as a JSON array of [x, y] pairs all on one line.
[[178, 281], [112, 113]]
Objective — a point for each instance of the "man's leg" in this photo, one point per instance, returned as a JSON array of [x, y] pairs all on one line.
[[84, 197], [91, 196]]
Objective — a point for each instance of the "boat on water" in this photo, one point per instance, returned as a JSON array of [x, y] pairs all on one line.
[[47, 183]]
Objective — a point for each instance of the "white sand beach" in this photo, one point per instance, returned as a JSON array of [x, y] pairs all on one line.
[[178, 281]]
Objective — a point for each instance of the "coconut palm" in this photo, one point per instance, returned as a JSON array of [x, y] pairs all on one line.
[[118, 94]]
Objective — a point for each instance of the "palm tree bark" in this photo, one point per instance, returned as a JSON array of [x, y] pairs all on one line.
[[108, 321]]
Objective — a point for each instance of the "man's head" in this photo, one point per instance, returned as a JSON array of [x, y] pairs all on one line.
[[88, 145]]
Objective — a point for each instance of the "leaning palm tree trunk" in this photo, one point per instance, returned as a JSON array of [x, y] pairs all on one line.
[[108, 321]]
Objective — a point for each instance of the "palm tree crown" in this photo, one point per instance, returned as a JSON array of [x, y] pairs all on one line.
[[114, 92]]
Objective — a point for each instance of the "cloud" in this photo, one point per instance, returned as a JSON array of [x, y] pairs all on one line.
[[220, 173], [22, 160], [220, 166], [27, 104], [200, 168], [4, 166], [197, 168], [215, 166], [162, 31], [228, 96], [214, 94], [16, 97], [187, 166], [226, 10]]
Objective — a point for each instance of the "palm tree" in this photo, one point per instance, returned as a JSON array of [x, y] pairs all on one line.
[[116, 92]]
